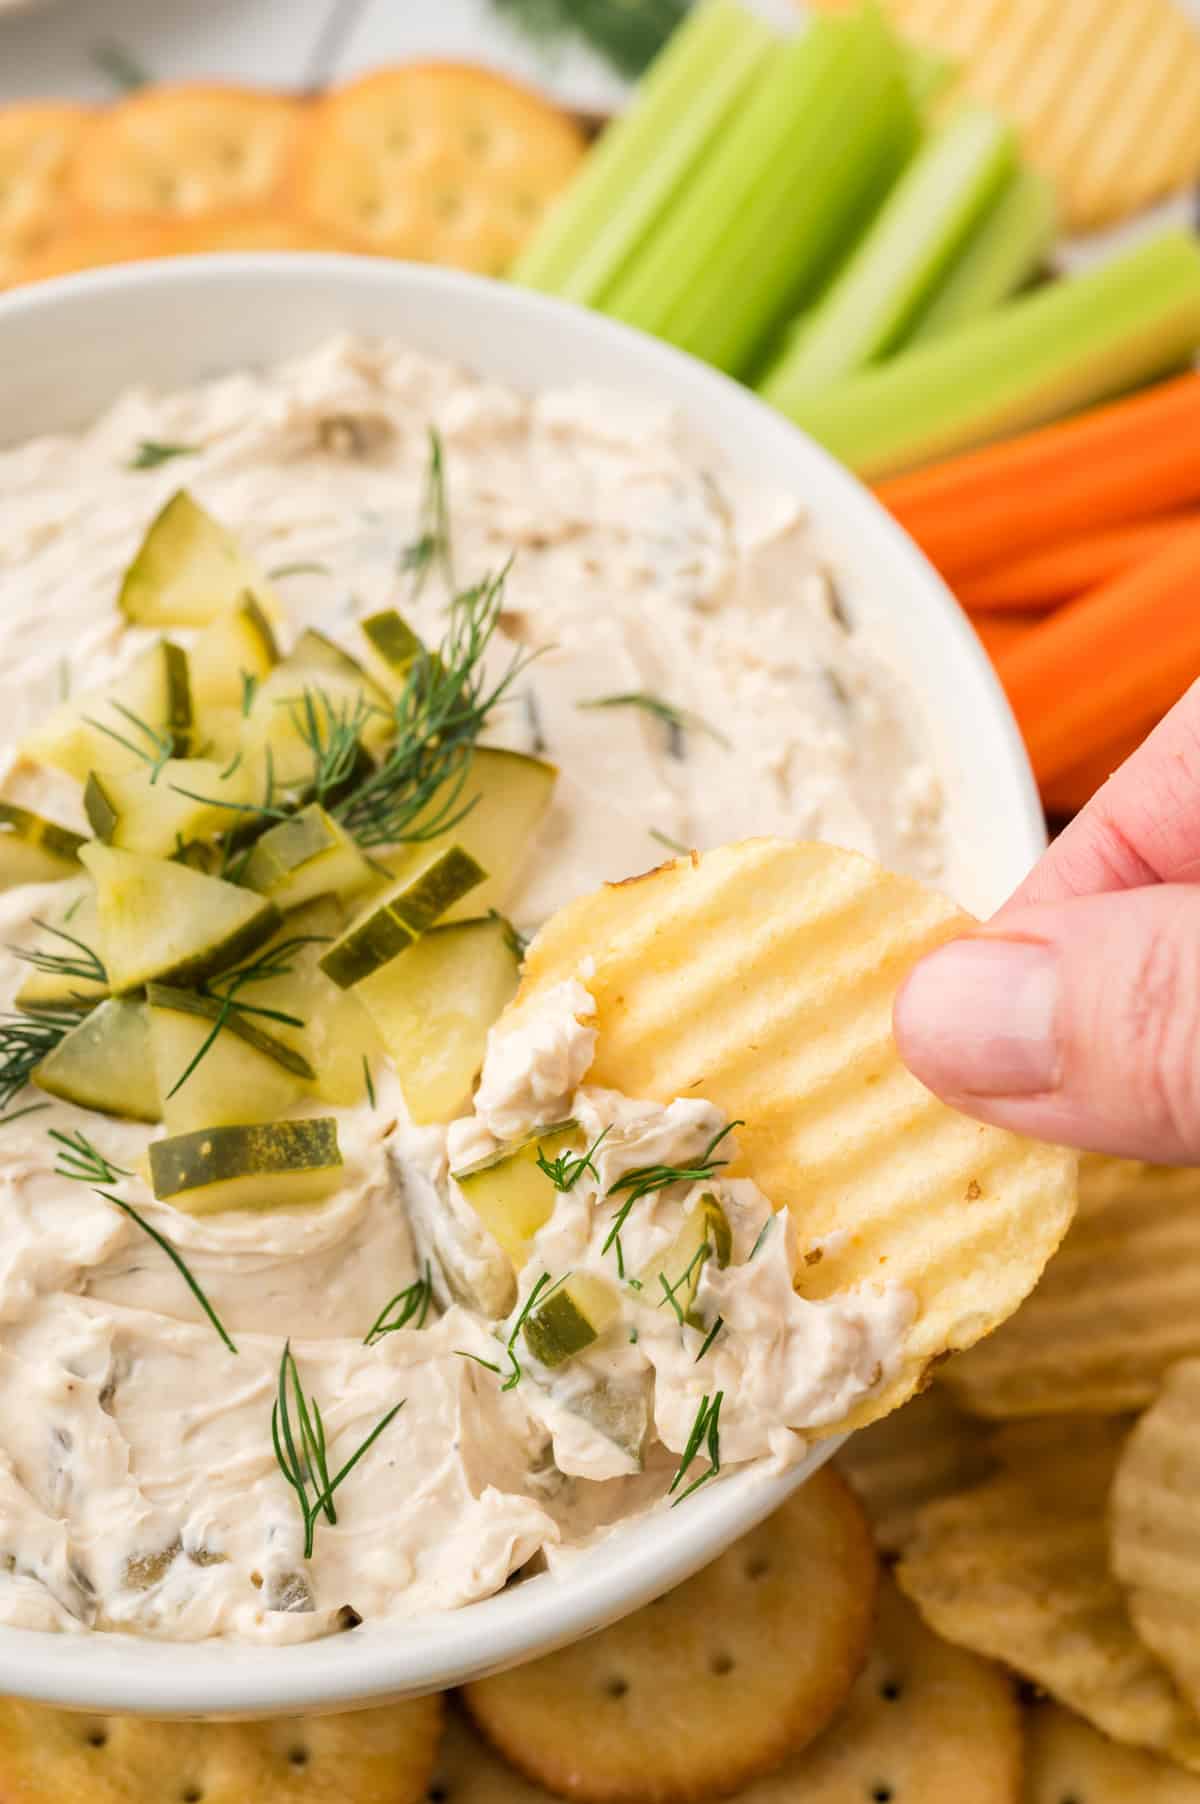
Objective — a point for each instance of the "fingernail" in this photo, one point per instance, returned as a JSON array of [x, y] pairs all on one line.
[[977, 1018]]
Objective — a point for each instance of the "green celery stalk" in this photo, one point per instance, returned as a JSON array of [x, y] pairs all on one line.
[[633, 171], [925, 221], [929, 73], [778, 196], [1005, 250], [1064, 346]]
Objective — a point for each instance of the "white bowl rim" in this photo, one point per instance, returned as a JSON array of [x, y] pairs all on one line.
[[408, 1656]]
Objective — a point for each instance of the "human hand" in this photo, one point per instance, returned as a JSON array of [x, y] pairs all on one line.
[[1074, 1013]]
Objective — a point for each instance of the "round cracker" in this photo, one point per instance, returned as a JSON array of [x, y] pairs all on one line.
[[926, 1723], [372, 1757], [1069, 1762], [36, 143], [438, 162], [713, 1684], [171, 152], [1154, 1526], [761, 977], [98, 245], [468, 1771]]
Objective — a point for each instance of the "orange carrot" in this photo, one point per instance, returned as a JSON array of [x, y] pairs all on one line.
[[1001, 632], [1127, 461], [1099, 666], [1075, 788], [1042, 579]]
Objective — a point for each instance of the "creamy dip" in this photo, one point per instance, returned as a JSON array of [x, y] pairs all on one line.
[[139, 1489]]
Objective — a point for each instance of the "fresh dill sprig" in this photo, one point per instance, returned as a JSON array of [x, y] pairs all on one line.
[[151, 452], [706, 1431], [305, 567], [541, 1291], [565, 1171], [516, 942], [368, 1080], [159, 747], [78, 1158], [412, 1302], [82, 964], [762, 1235], [271, 963], [249, 683], [332, 732], [177, 1260], [25, 1040], [703, 1252], [678, 721], [307, 1464], [643, 1180], [709, 1338], [432, 543], [672, 845], [440, 712]]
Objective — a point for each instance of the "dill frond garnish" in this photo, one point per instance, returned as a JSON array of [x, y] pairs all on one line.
[[83, 964], [439, 714], [25, 1040], [307, 1463], [152, 452], [432, 543], [177, 1260], [541, 1291], [643, 1180], [706, 1431], [709, 1338], [153, 749], [368, 1080], [762, 1235], [332, 733], [227, 989], [703, 1252], [78, 1158], [672, 845], [411, 1305], [678, 721], [565, 1171], [249, 683], [305, 567]]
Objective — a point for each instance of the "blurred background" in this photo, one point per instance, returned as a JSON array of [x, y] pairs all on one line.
[[952, 239]]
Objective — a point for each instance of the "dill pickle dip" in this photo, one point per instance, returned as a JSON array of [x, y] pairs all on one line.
[[415, 1307]]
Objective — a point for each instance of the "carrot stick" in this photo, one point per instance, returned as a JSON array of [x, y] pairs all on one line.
[[1076, 787], [1100, 665], [1128, 461], [1001, 632], [1042, 579]]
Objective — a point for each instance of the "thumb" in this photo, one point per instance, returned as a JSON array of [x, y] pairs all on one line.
[[1076, 1021]]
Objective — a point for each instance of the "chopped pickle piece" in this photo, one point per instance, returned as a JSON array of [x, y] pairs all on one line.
[[33, 849], [105, 1063], [59, 989], [306, 856], [296, 718], [313, 651], [705, 1234], [272, 1165], [390, 923], [509, 1191], [620, 1412], [575, 1314], [140, 809], [433, 1006], [392, 648], [506, 795], [160, 919], [188, 570], [238, 645], [124, 725], [246, 1075], [338, 1034]]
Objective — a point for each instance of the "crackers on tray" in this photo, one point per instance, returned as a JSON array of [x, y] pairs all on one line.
[[441, 163]]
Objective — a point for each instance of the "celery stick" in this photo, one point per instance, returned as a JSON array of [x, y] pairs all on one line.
[[928, 72], [925, 221], [1062, 347], [633, 170], [1005, 250], [773, 203]]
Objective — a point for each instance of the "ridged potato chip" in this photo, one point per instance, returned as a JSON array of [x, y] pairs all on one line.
[[1154, 1520], [925, 1721], [712, 1685], [926, 1450], [1069, 1762], [761, 978], [170, 152], [440, 162], [1118, 1304], [1017, 1569], [36, 141]]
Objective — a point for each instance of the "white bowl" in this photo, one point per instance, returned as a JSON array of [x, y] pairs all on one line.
[[67, 349]]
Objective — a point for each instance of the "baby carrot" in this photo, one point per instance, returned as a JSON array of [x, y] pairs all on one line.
[[1042, 579]]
